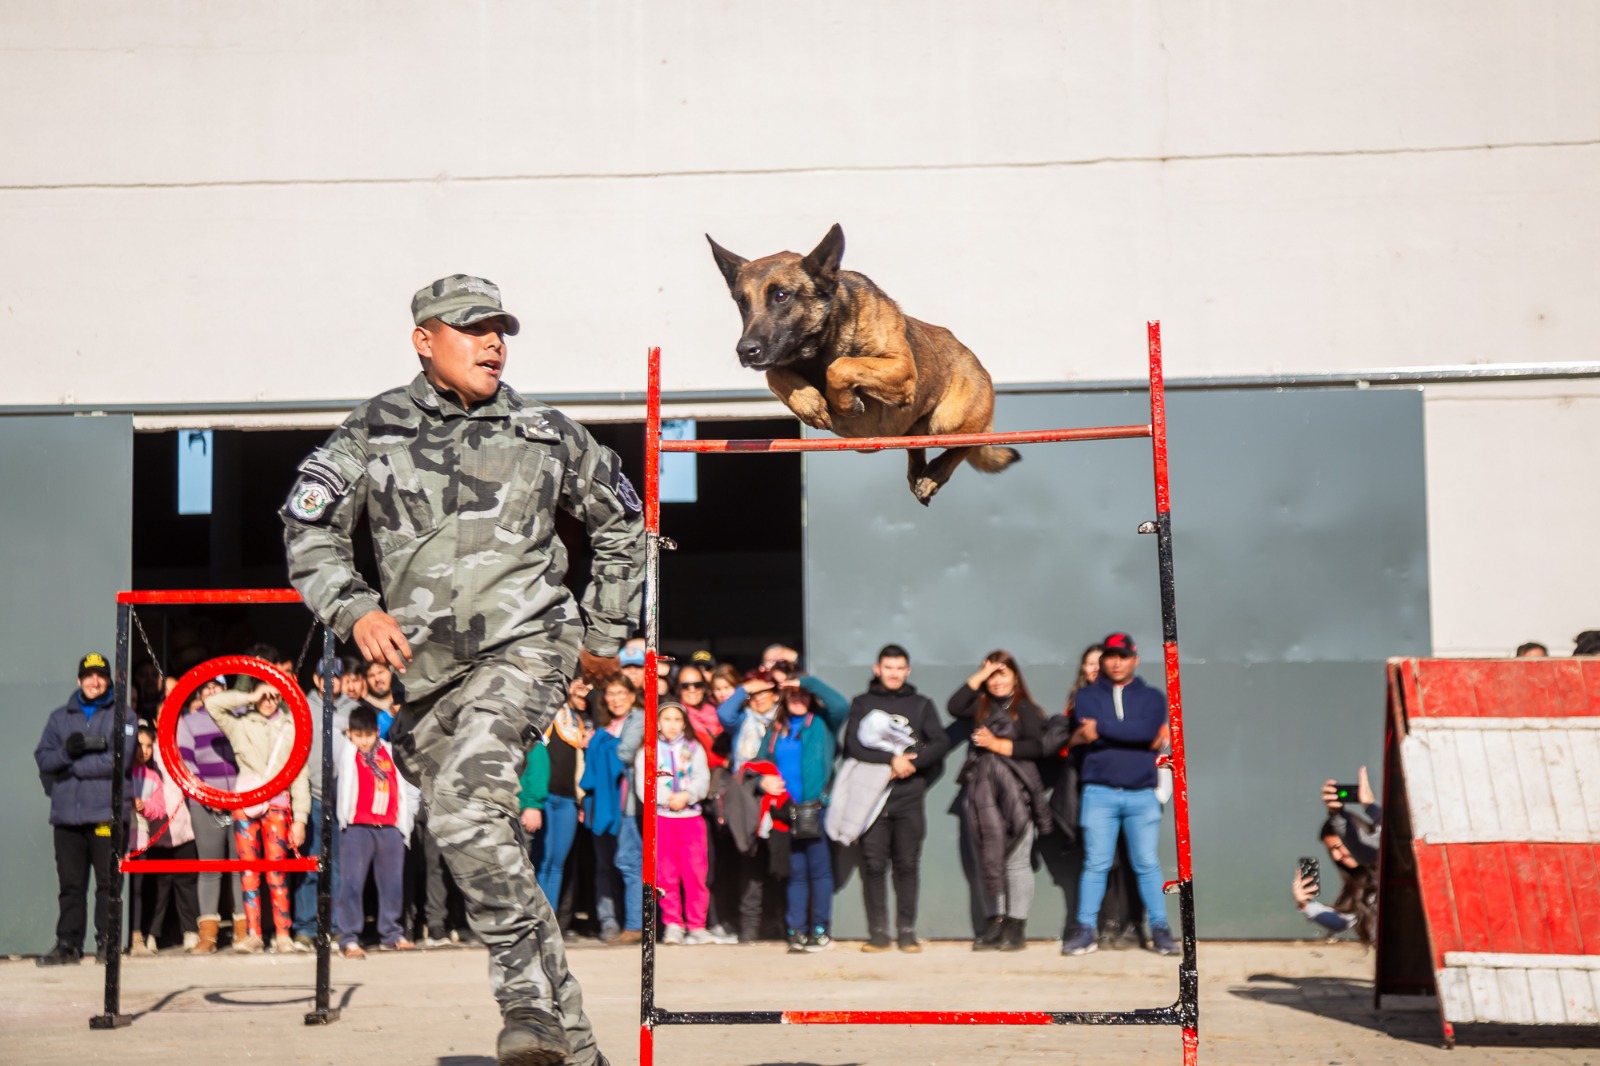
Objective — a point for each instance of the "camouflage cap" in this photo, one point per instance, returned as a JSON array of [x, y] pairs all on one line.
[[461, 300]]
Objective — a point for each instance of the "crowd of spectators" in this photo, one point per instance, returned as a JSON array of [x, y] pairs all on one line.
[[764, 775]]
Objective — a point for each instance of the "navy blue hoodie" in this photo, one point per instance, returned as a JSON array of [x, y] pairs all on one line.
[[1122, 756]]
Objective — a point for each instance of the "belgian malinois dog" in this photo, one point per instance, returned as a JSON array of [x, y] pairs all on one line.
[[840, 354]]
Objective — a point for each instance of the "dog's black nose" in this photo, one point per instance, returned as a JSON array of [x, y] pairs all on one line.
[[749, 351]]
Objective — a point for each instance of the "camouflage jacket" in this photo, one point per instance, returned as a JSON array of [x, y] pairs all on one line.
[[462, 509]]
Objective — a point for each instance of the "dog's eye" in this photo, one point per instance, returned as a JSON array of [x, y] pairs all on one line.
[[780, 296]]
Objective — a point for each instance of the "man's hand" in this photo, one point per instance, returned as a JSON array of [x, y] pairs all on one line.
[[532, 819], [1088, 732], [1330, 796], [596, 669], [297, 835], [381, 640], [1364, 789], [1302, 890], [74, 744], [902, 766]]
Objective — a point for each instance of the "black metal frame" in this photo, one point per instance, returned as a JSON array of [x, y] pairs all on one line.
[[112, 1017]]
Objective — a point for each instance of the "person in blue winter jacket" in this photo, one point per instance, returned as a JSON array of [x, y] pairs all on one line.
[[1123, 724], [74, 757]]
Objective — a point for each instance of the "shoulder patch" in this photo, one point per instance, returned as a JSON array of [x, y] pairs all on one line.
[[625, 492], [310, 499]]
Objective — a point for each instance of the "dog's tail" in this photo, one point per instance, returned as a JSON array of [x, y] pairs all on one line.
[[992, 460]]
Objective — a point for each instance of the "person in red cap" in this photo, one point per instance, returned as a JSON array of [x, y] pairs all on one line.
[[1123, 724]]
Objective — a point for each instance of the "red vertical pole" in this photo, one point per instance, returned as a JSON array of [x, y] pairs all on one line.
[[652, 604], [1188, 972]]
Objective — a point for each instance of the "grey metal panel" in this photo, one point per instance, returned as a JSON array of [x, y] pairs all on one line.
[[65, 550], [1301, 549]]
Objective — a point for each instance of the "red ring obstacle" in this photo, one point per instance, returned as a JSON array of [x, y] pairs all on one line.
[[172, 709]]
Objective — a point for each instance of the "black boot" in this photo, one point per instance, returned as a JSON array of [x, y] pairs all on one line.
[[60, 955], [989, 939], [531, 1037], [1013, 934]]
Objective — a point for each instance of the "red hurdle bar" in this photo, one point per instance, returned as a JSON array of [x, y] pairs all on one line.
[[307, 865], [1185, 1012], [171, 596], [883, 444]]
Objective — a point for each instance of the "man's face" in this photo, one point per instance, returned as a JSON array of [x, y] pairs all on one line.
[[380, 679], [354, 686], [93, 686], [1118, 668], [892, 671], [465, 360]]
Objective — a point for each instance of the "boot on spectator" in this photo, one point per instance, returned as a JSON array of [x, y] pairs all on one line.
[[206, 941], [1013, 934], [241, 930]]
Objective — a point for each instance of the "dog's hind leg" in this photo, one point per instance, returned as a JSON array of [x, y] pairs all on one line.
[[916, 463], [937, 473]]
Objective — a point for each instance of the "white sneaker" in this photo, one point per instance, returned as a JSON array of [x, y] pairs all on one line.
[[674, 935], [703, 936], [718, 935]]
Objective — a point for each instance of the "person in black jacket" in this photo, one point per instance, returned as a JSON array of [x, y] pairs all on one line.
[[895, 836], [74, 757], [1003, 794]]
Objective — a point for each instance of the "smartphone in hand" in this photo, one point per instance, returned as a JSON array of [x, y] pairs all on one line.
[[1310, 873]]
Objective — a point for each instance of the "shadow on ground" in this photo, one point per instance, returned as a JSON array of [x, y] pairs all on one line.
[[484, 1060], [251, 997], [1349, 1000]]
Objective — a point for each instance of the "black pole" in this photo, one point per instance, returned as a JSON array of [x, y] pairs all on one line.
[[113, 1018], [324, 1013]]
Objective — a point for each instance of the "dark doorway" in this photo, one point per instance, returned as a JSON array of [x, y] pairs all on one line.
[[733, 585]]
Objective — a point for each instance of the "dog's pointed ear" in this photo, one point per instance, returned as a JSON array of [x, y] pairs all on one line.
[[727, 262], [823, 262]]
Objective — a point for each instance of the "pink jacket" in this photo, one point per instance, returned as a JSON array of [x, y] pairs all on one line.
[[162, 798]]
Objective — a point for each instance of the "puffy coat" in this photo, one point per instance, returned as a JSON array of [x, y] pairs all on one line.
[[80, 788]]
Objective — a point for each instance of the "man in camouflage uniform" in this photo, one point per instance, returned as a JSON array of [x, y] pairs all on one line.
[[460, 478]]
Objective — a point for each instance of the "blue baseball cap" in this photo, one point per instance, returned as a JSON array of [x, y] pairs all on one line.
[[631, 657]]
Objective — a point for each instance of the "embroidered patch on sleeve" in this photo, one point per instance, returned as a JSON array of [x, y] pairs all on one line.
[[625, 493], [310, 500]]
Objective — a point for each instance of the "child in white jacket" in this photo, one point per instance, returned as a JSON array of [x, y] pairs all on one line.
[[684, 781], [376, 809]]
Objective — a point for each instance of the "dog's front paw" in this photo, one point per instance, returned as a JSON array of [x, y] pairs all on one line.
[[848, 402], [810, 408]]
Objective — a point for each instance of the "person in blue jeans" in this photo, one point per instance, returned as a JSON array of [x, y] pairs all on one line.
[[1122, 724], [550, 789], [612, 812]]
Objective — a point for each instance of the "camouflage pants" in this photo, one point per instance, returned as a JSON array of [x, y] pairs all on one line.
[[465, 747]]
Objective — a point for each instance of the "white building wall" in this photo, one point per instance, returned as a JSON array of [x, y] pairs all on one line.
[[214, 201]]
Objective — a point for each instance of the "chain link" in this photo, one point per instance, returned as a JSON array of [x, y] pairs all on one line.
[[161, 675], [305, 647]]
